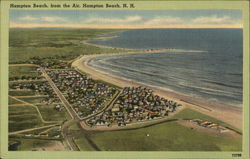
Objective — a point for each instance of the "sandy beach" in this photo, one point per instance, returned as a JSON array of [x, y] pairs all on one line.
[[226, 113]]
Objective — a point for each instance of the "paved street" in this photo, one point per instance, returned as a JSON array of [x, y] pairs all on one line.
[[60, 95], [75, 118], [73, 115]]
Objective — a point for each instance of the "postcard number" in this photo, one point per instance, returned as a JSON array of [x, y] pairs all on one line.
[[236, 155]]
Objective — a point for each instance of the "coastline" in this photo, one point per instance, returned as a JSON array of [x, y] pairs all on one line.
[[226, 113], [88, 42]]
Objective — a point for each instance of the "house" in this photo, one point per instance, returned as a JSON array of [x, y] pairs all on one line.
[[115, 109], [58, 107]]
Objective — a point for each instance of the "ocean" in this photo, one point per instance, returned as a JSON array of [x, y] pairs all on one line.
[[215, 75]]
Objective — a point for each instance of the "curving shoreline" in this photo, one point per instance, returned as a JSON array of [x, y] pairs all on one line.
[[226, 113], [88, 42]]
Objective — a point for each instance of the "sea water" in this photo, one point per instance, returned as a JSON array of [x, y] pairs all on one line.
[[215, 75]]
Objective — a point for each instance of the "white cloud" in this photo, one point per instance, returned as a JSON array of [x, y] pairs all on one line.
[[49, 19], [134, 21], [28, 18], [213, 20], [164, 21], [53, 19], [126, 20]]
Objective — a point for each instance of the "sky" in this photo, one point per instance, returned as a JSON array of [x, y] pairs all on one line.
[[126, 18]]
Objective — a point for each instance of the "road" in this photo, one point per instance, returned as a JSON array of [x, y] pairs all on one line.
[[26, 130], [31, 96], [109, 106], [24, 65], [67, 136], [34, 106], [60, 95], [69, 139]]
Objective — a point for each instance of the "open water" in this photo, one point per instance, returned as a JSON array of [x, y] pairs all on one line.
[[215, 75]]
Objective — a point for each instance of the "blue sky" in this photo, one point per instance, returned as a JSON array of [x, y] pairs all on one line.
[[126, 19]]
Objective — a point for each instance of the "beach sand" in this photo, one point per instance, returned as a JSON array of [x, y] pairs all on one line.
[[226, 113]]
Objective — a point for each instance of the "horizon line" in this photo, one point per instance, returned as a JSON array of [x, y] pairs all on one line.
[[70, 26]]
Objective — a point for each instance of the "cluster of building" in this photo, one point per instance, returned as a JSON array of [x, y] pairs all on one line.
[[208, 124], [133, 105], [55, 64], [39, 87], [52, 62], [84, 94]]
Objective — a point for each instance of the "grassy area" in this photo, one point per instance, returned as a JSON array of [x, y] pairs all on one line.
[[74, 127], [83, 144], [169, 136], [192, 114], [33, 100], [30, 144], [52, 131], [50, 114], [20, 72], [23, 117], [55, 131], [14, 101], [63, 43], [36, 132], [21, 93]]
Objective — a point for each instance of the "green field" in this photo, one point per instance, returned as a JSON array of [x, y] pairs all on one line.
[[50, 114], [83, 144], [14, 101], [33, 100], [74, 127], [30, 144], [170, 136], [21, 93], [20, 72], [166, 136], [52, 131], [59, 43], [55, 131], [23, 117], [36, 132]]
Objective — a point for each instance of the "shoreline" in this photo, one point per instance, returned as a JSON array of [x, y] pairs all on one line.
[[88, 42], [226, 113]]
